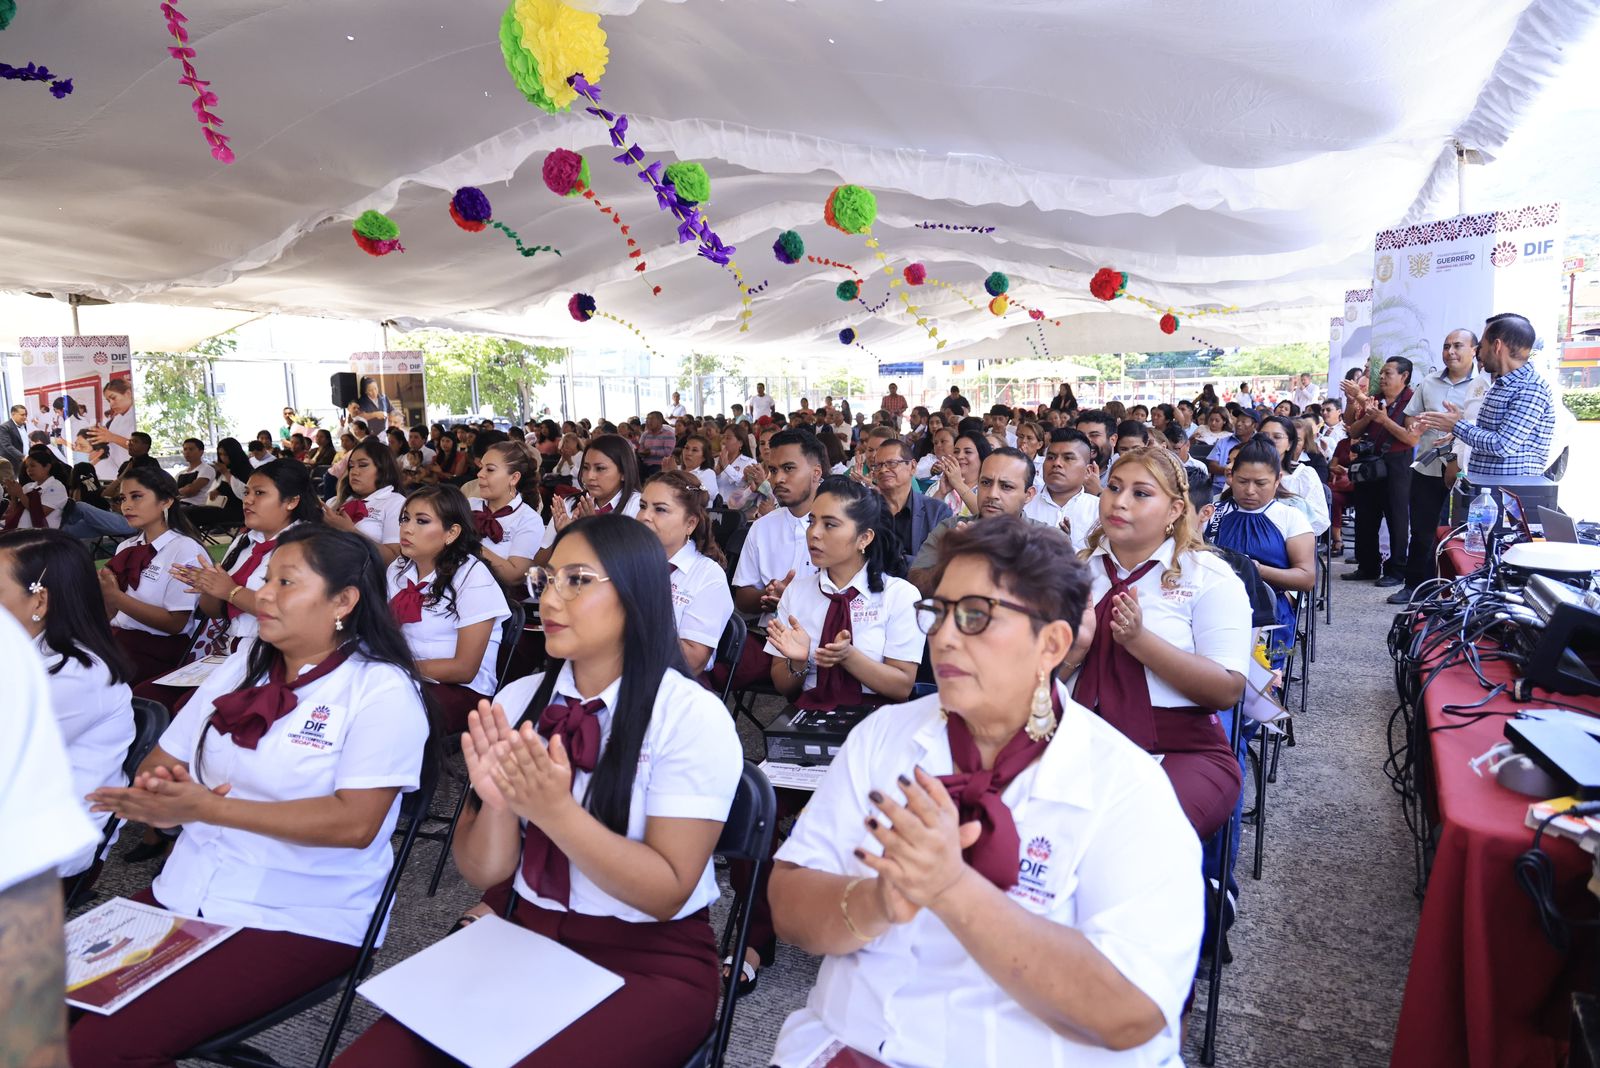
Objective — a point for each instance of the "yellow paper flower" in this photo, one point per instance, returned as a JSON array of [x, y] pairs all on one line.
[[562, 41]]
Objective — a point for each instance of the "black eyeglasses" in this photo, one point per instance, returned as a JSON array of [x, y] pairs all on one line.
[[972, 614]]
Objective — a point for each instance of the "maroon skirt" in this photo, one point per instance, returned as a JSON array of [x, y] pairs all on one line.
[[150, 655], [454, 703], [1196, 756]]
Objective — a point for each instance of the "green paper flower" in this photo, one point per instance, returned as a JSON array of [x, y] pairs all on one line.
[[847, 290], [852, 209], [376, 226], [790, 247], [521, 65], [8, 11], [996, 284], [690, 180]]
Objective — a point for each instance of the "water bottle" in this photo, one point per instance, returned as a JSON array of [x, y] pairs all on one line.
[[1480, 520]]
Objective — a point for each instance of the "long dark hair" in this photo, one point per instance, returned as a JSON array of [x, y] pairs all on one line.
[[388, 471], [45, 456], [450, 505], [690, 495], [75, 624], [1290, 462], [233, 454], [291, 479], [519, 458], [619, 451], [637, 566], [866, 509], [165, 487], [343, 559]]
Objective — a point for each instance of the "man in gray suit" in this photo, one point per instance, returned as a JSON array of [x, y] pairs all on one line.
[[912, 514], [14, 437]]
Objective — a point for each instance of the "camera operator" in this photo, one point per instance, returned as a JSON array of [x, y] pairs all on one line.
[[1381, 469]]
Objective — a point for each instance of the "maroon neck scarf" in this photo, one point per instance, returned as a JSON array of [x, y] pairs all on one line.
[[129, 564], [1112, 681], [488, 523], [976, 791], [544, 867], [35, 508], [407, 604], [258, 553], [249, 714], [355, 508], [604, 509], [836, 687]]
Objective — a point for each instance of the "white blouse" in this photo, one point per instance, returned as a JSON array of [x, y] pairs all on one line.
[[774, 546], [96, 721], [361, 727], [157, 586], [478, 597], [382, 524], [1309, 498], [522, 530], [883, 625], [689, 768], [732, 476], [702, 603], [1082, 511], [52, 495]]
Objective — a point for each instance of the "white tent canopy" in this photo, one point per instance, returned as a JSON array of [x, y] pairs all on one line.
[[1242, 154]]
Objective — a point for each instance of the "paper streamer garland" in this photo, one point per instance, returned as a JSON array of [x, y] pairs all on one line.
[[852, 209], [377, 234], [204, 98], [582, 307], [1109, 284], [566, 174], [470, 210], [950, 226], [60, 88], [544, 43]]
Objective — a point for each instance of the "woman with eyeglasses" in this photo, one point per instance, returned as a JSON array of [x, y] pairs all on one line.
[[702, 603], [600, 788], [369, 500], [1172, 640], [285, 771], [1299, 479], [964, 870]]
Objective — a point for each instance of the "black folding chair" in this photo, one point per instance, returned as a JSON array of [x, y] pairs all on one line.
[[150, 719], [1211, 951], [232, 1047], [729, 649], [510, 632]]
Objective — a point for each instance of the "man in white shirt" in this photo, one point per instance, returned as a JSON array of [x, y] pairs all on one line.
[[760, 405], [1068, 465], [1005, 486], [1305, 394], [677, 411], [199, 478]]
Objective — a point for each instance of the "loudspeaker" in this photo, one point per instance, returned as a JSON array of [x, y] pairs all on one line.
[[343, 386]]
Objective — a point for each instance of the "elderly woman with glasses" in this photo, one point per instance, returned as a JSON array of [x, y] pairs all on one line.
[[965, 867]]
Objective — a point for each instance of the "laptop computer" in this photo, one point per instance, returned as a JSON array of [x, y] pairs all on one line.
[[1558, 525]]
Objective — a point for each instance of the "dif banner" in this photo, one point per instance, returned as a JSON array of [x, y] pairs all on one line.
[[73, 384], [390, 388], [1349, 338], [1432, 278]]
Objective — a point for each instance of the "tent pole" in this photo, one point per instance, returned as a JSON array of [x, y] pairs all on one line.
[[1461, 179]]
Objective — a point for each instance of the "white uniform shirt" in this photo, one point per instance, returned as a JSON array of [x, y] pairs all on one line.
[[245, 626], [1309, 499], [382, 524], [708, 482], [914, 996], [52, 495], [689, 767], [122, 426], [1082, 510], [1207, 612], [775, 546], [883, 625], [631, 510], [478, 597], [1328, 437], [203, 473], [362, 727], [677, 411], [1305, 396], [732, 476], [96, 721], [523, 530], [701, 600], [158, 586], [261, 461], [760, 404], [40, 804]]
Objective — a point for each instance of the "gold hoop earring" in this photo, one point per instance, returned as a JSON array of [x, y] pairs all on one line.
[[1042, 714]]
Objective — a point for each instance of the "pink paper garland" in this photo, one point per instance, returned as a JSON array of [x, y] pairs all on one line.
[[204, 98]]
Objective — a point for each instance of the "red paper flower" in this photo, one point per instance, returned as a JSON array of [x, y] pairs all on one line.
[[1169, 323], [915, 274], [1108, 284]]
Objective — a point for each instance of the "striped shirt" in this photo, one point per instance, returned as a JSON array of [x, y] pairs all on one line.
[[1512, 432], [657, 445]]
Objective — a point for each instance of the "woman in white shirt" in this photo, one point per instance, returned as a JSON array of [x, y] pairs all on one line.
[[1172, 636], [1299, 480], [610, 476], [702, 602], [47, 583], [506, 512], [285, 771], [150, 608], [965, 868], [1216, 427], [447, 601], [602, 787], [369, 501], [958, 471], [697, 460], [38, 503]]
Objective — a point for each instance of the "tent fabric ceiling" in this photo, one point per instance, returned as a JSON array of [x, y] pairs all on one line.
[[1232, 153]]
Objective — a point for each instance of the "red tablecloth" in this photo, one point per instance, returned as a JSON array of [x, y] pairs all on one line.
[[1485, 989], [1454, 560]]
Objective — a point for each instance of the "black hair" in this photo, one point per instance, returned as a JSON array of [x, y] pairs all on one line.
[[1075, 436], [1101, 416], [343, 560], [1032, 561], [979, 439], [813, 449], [1173, 434], [233, 454], [521, 461], [1294, 409], [1132, 428], [867, 510], [483, 440], [256, 445], [165, 487], [1513, 329], [382, 457], [45, 456], [619, 451], [636, 564], [1403, 365], [75, 623], [290, 479], [1291, 461], [196, 442], [450, 505], [1258, 450], [906, 449], [1017, 454], [970, 424], [1167, 410]]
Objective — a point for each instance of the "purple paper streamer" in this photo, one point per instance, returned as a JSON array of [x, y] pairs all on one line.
[[878, 307], [691, 226], [926, 225], [60, 88], [753, 290]]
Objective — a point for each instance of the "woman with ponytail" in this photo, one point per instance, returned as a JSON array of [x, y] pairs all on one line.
[[675, 510], [602, 786], [285, 771], [149, 607], [506, 512]]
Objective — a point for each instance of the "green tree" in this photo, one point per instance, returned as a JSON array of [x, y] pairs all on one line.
[[710, 367], [172, 391], [1273, 360], [507, 369]]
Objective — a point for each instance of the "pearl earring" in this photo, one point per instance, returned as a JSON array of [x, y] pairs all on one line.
[[37, 617], [338, 624]]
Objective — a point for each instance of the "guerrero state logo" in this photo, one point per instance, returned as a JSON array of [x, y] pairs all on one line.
[[1504, 254]]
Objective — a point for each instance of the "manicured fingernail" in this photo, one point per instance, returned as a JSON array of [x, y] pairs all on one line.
[[861, 854], [875, 797], [872, 823], [904, 781]]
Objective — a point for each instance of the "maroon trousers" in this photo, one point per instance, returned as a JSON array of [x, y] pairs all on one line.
[[454, 703], [754, 668], [662, 1014], [1196, 756], [235, 982], [150, 655]]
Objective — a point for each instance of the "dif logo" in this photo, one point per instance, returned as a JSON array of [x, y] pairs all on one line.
[[1036, 863], [318, 721]]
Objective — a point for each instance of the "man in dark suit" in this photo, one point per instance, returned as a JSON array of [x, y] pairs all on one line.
[[14, 437], [911, 513]]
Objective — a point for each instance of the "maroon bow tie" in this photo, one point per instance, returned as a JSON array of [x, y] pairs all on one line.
[[356, 509], [129, 564], [407, 604], [545, 868], [488, 523], [247, 715]]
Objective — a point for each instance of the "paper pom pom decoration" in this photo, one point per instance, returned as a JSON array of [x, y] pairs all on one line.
[[470, 210], [690, 181], [581, 306], [545, 43], [565, 172], [851, 208], [1108, 284], [377, 234], [999, 305], [789, 248], [60, 88], [996, 284], [1035, 313], [204, 98], [847, 336], [849, 289], [8, 11], [1169, 323], [915, 274]]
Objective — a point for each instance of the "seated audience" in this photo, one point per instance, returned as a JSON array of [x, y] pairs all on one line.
[[196, 480], [610, 477], [958, 471], [912, 515], [696, 458], [369, 499], [1005, 486], [674, 509], [40, 502], [1298, 479], [506, 510], [149, 607], [1068, 466]]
